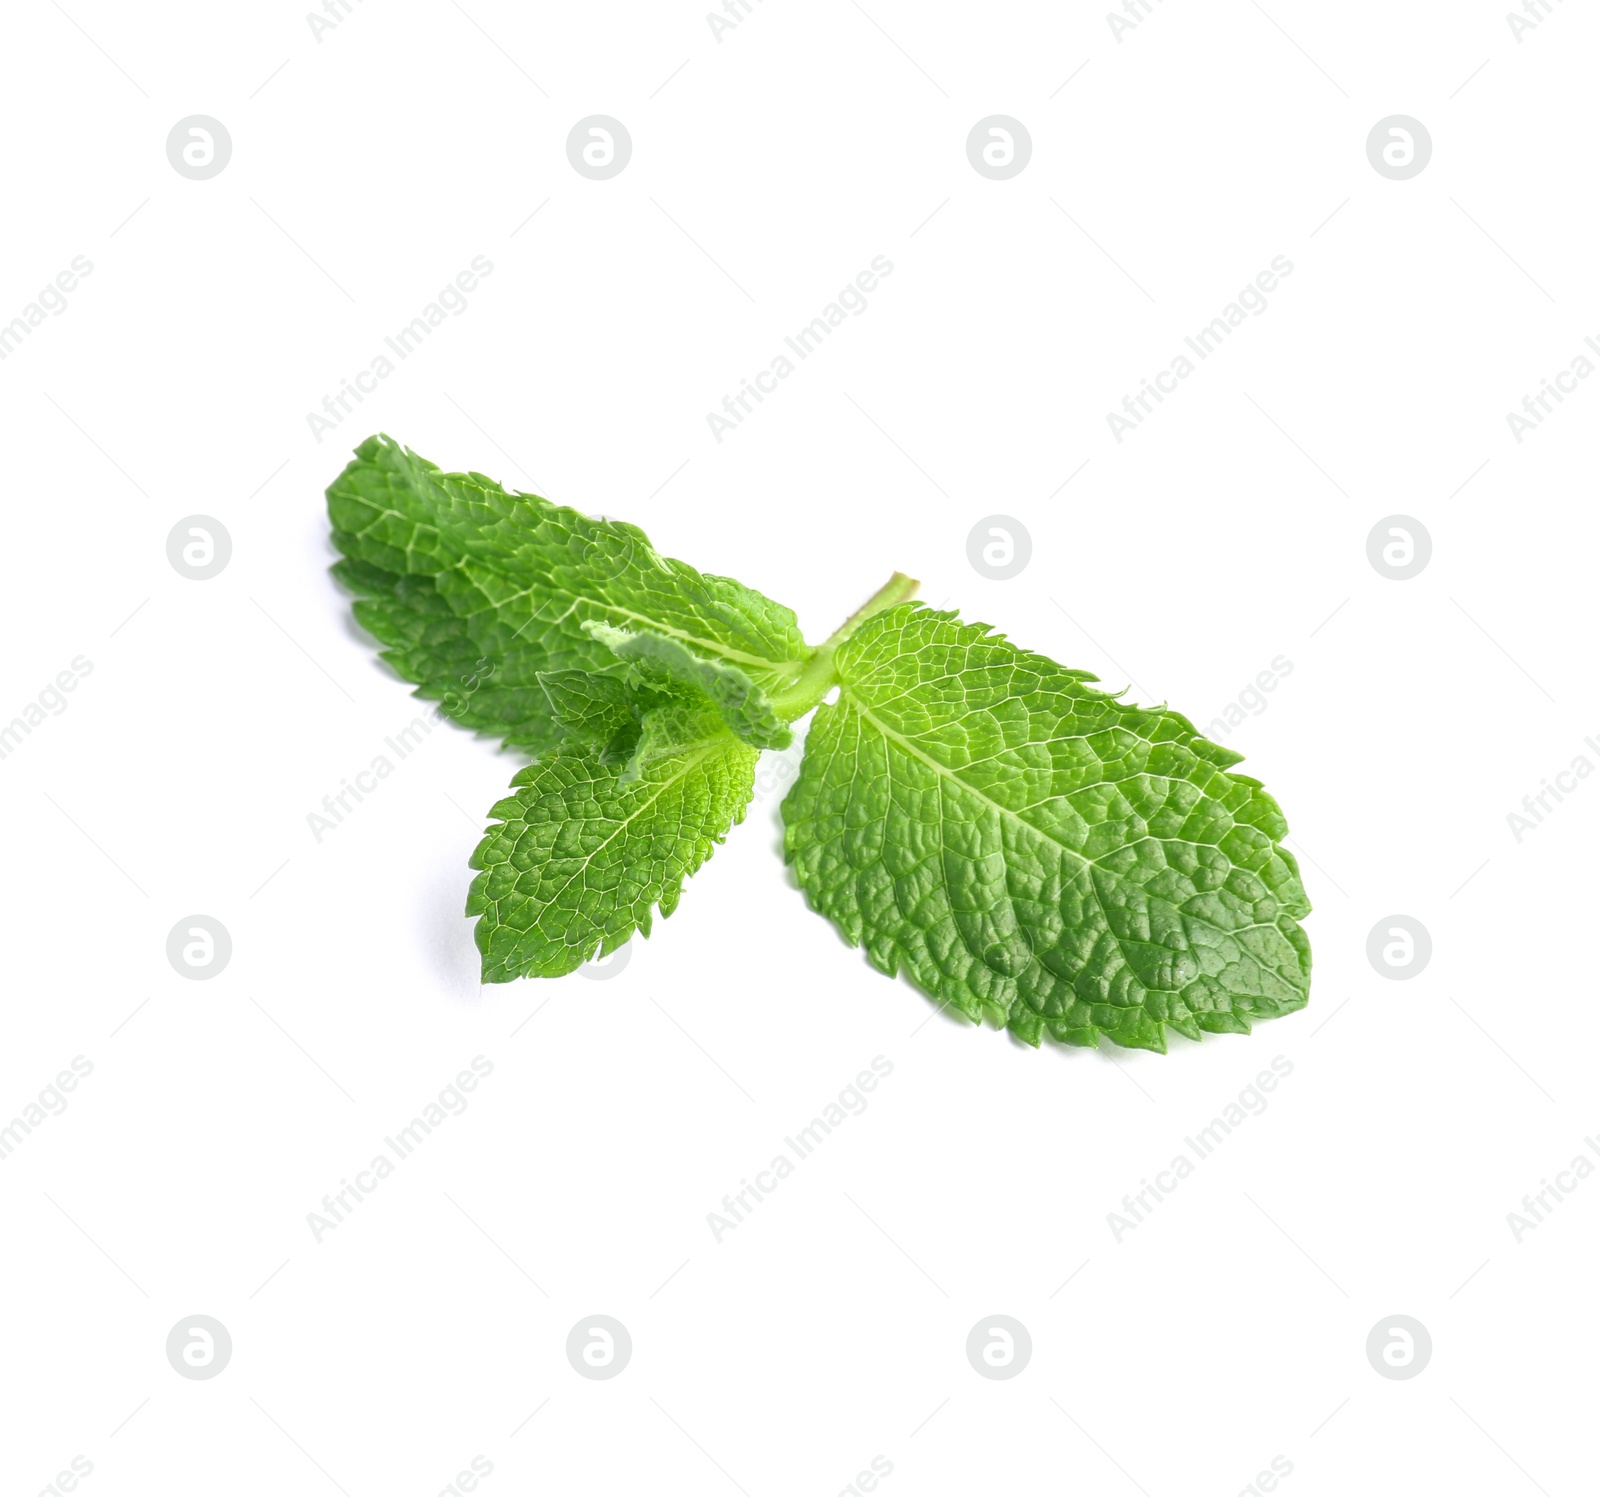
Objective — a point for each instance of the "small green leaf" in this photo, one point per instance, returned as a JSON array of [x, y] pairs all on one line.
[[579, 858], [1026, 847], [670, 662], [676, 727]]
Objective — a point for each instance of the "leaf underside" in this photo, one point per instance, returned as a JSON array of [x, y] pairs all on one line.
[[1029, 849]]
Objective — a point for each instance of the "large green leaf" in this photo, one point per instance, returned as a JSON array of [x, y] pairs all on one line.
[[1026, 847], [476, 590]]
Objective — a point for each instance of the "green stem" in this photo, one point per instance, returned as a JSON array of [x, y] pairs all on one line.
[[818, 678]]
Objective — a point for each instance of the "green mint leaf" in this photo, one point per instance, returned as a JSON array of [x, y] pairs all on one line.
[[1026, 847], [663, 661], [678, 726], [579, 857], [476, 590], [630, 724]]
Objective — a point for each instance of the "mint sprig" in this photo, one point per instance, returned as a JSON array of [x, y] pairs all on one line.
[[1026, 848]]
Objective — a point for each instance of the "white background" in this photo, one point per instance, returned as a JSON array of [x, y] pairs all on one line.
[[768, 168]]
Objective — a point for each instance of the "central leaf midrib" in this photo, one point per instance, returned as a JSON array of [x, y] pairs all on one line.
[[946, 772], [715, 647], [777, 667], [661, 786]]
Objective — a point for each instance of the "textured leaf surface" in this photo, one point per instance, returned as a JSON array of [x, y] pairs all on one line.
[[428, 643], [670, 662], [580, 857], [673, 728], [589, 707], [1025, 846], [476, 590]]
